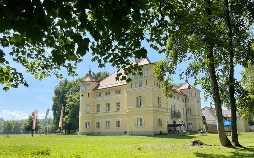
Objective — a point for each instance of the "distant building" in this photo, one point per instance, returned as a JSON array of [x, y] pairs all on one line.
[[113, 107], [210, 118]]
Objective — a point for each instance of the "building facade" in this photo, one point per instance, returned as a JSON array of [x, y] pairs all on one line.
[[210, 118], [139, 107]]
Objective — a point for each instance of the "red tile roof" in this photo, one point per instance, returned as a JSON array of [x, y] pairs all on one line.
[[177, 91], [111, 81], [186, 85]]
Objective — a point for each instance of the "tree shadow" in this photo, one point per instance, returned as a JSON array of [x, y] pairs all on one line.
[[175, 136], [238, 152]]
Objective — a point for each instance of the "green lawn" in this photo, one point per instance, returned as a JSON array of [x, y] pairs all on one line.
[[121, 146]]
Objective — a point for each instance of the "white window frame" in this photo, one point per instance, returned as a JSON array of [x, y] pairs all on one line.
[[107, 107], [88, 86], [138, 101], [107, 124], [87, 124], [107, 93], [140, 83], [189, 111], [160, 122], [118, 106], [97, 124], [146, 72], [98, 108], [88, 108], [139, 122], [98, 94], [118, 123], [159, 101], [136, 84]]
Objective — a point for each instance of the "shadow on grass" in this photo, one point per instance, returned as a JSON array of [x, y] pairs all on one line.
[[238, 152], [175, 136]]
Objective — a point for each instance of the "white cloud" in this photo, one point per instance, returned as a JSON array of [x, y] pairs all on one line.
[[17, 115]]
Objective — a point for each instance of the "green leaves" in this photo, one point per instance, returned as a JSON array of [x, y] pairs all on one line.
[[141, 53]]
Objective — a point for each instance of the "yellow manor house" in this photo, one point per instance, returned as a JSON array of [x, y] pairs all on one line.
[[139, 107]]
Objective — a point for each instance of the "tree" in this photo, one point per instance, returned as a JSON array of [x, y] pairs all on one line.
[[245, 103], [9, 126], [206, 35], [28, 124], [67, 95], [71, 117], [59, 101], [18, 126], [46, 36], [99, 76], [1, 125]]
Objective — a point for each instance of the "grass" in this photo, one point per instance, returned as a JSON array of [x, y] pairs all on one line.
[[121, 146]]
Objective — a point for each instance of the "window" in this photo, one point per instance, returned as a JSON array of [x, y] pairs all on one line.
[[98, 94], [189, 111], [118, 91], [198, 101], [117, 106], [183, 111], [140, 122], [87, 94], [141, 75], [138, 101], [160, 122], [131, 76], [158, 85], [159, 101], [98, 108], [88, 109], [190, 126], [107, 107], [198, 112], [166, 107], [87, 124], [117, 124], [136, 75], [138, 84], [107, 124], [146, 72], [107, 93], [97, 124], [88, 86]]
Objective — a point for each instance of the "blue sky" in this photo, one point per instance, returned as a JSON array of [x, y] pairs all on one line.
[[20, 102]]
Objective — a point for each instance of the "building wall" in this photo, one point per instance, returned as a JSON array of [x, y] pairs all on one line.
[[152, 117]]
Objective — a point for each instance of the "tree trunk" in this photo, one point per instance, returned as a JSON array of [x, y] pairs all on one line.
[[235, 141], [215, 88]]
